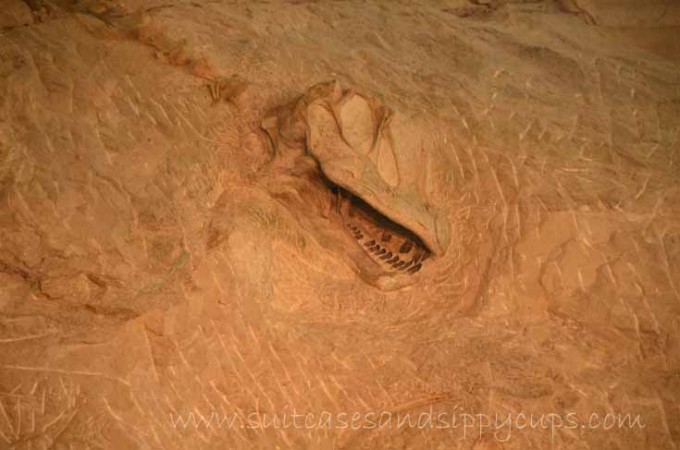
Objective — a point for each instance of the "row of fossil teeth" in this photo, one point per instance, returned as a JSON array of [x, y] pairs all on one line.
[[408, 258]]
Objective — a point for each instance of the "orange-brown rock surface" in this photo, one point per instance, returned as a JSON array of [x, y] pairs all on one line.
[[164, 262]]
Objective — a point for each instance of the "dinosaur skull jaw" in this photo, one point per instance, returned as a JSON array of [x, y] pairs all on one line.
[[380, 251], [390, 247]]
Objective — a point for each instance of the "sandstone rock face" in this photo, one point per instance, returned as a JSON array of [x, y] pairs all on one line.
[[180, 258]]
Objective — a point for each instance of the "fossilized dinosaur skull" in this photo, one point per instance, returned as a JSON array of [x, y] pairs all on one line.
[[353, 158]]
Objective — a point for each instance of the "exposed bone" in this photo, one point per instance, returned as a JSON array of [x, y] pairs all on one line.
[[350, 138], [337, 128]]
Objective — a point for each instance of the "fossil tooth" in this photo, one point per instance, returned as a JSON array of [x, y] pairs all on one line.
[[370, 243], [382, 251], [407, 265], [405, 247], [399, 264], [393, 260], [415, 268], [388, 255]]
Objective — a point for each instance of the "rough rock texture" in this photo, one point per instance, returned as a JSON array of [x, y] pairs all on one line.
[[147, 271]]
